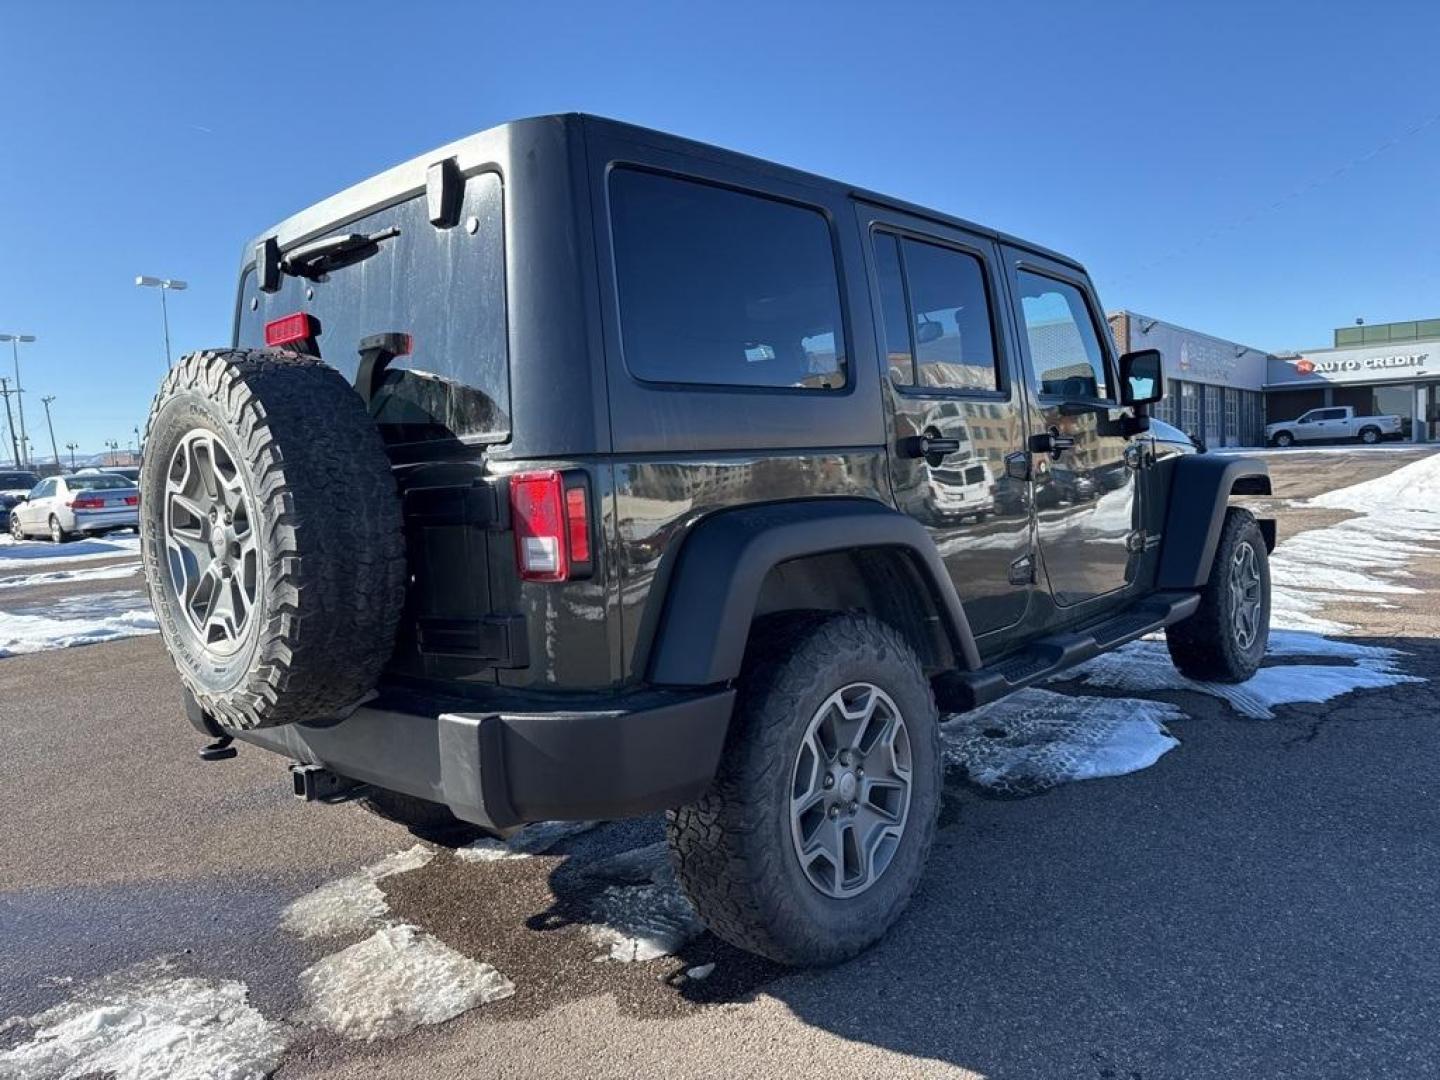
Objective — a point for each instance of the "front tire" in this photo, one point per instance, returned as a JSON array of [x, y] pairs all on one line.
[[1284, 439], [16, 529], [1224, 641], [795, 853]]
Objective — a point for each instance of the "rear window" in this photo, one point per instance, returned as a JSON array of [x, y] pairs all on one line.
[[443, 287], [723, 288], [103, 482]]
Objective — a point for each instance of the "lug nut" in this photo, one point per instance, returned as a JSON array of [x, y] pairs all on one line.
[[227, 517], [854, 808], [834, 812], [859, 773], [829, 780], [214, 514]]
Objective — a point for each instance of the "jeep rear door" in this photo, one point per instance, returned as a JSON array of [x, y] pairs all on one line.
[[956, 407], [1088, 518]]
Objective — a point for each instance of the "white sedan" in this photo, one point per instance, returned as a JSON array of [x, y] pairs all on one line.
[[64, 506]]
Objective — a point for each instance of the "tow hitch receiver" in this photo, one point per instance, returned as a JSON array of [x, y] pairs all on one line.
[[315, 783]]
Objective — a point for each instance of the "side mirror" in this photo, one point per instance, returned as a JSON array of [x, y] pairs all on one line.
[[928, 330], [1142, 380], [23, 497]]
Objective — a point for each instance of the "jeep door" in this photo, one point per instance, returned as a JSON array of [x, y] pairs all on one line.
[[954, 408], [1087, 513]]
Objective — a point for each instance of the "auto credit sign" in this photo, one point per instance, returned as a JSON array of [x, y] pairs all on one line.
[[1395, 362]]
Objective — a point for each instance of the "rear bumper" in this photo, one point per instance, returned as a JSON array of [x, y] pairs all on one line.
[[502, 769], [94, 520]]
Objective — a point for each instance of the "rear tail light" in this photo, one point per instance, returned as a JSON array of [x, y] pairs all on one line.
[[550, 513], [289, 329], [132, 500], [86, 502]]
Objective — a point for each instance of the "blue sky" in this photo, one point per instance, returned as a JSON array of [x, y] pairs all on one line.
[[1259, 171]]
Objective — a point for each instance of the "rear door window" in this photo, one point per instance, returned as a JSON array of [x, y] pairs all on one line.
[[443, 287], [724, 288]]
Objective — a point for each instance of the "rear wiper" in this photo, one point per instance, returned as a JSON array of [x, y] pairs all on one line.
[[319, 257]]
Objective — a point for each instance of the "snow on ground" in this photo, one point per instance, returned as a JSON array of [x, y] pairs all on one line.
[[57, 577], [147, 1023], [75, 620], [351, 904], [20, 556], [1037, 739], [529, 840], [394, 981], [644, 915]]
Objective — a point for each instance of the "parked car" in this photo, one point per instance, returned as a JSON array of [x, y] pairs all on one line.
[[129, 472], [1333, 424], [62, 507], [592, 508], [14, 486]]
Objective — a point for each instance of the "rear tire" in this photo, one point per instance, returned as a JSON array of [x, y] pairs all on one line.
[[1370, 436], [271, 537], [739, 852], [1224, 641], [58, 535]]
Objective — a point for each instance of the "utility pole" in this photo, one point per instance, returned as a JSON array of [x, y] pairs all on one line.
[[51, 425], [72, 447], [114, 451], [5, 392], [139, 446]]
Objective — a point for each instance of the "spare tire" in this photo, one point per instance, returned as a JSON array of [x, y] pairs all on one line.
[[270, 532]]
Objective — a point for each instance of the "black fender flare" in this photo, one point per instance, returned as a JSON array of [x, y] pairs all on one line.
[[1200, 490], [713, 590]]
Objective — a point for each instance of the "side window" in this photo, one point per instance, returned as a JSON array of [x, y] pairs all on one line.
[[723, 288], [1064, 347], [1335, 414], [936, 316], [43, 490]]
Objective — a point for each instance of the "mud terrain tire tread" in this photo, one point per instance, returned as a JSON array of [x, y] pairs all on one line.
[[329, 530], [736, 866], [1203, 646]]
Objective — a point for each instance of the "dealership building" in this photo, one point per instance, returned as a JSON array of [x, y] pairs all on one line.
[[1227, 391]]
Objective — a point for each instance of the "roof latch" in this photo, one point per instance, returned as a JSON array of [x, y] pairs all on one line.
[[444, 187]]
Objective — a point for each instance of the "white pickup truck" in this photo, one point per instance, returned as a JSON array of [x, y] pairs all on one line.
[[1332, 423]]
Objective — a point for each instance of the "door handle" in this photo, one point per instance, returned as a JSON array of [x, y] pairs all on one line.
[[927, 446], [1051, 442]]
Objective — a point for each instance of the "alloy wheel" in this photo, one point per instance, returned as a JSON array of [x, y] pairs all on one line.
[[1246, 595], [850, 790], [210, 543]]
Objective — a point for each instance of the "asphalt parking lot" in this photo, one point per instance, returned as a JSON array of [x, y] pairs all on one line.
[[1259, 903]]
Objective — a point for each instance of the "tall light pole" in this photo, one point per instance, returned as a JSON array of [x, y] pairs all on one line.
[[15, 340], [164, 285], [114, 451], [72, 447], [51, 425], [139, 446]]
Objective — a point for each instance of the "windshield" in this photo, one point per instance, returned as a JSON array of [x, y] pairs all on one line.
[[103, 482], [445, 288], [26, 480]]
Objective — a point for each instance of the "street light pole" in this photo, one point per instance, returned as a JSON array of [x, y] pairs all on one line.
[[139, 446], [164, 285], [46, 400], [114, 451], [15, 340], [72, 447]]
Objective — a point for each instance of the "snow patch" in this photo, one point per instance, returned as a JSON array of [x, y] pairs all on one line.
[[147, 1023], [76, 620], [530, 840], [351, 904], [1144, 667], [1035, 740], [644, 915], [393, 982], [55, 577], [15, 556]]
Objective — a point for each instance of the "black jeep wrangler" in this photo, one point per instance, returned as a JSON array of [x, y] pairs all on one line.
[[580, 471]]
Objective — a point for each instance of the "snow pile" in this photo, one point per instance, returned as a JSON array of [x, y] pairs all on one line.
[[1144, 667], [147, 1023], [1035, 740], [76, 620], [643, 915], [15, 556], [1364, 559], [393, 982], [84, 573], [353, 903]]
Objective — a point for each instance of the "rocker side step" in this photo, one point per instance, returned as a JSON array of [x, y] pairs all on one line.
[[957, 691]]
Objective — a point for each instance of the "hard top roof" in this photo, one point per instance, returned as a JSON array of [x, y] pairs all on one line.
[[474, 151]]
